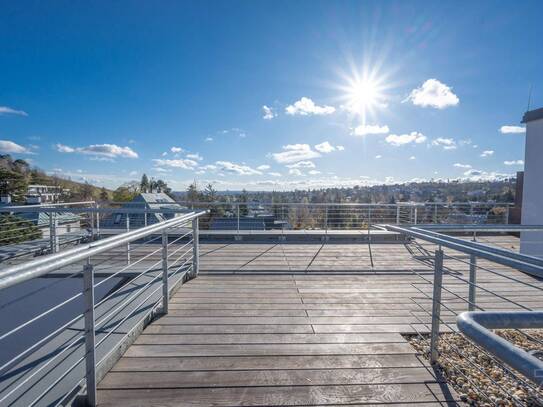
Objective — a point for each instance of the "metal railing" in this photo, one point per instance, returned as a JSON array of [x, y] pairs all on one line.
[[500, 289], [94, 302], [241, 216], [45, 228]]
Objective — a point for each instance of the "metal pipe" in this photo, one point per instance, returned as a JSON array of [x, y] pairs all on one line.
[[165, 288], [195, 247], [436, 305], [90, 356], [476, 325], [505, 257], [128, 243], [472, 290]]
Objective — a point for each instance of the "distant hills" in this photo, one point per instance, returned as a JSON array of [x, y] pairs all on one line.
[[17, 174]]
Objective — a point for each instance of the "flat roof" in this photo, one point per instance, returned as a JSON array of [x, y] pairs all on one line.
[[532, 115]]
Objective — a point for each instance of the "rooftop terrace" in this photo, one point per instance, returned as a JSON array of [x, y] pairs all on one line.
[[285, 319]]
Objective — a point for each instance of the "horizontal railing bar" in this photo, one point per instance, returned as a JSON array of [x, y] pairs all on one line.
[[35, 268], [458, 244], [476, 325], [8, 208]]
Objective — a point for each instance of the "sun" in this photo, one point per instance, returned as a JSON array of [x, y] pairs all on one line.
[[364, 92]]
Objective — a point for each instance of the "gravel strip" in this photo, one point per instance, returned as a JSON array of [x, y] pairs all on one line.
[[479, 378]]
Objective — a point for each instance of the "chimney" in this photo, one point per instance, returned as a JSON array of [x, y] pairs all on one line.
[[531, 243]]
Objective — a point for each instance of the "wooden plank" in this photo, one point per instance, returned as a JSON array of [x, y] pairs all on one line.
[[268, 349], [155, 339], [229, 329], [242, 378], [276, 396], [230, 363]]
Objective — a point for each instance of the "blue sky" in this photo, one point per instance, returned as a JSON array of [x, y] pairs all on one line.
[[269, 95]]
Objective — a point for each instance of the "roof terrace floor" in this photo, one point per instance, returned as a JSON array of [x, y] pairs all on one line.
[[301, 324]]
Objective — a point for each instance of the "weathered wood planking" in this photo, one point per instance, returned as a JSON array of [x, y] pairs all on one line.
[[301, 324]]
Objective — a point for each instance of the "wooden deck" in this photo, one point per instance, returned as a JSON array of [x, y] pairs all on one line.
[[313, 324]]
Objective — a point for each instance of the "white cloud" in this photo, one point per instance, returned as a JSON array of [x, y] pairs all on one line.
[[364, 130], [413, 137], [295, 152], [433, 93], [325, 147], [479, 175], [185, 164], [514, 162], [263, 167], [295, 171], [302, 164], [512, 129], [446, 143], [195, 156], [7, 146], [274, 174], [459, 165], [208, 139], [239, 169], [103, 150], [176, 150], [160, 169], [340, 148], [209, 167], [306, 107], [314, 172], [412, 157], [268, 113], [5, 110], [487, 153], [378, 156]]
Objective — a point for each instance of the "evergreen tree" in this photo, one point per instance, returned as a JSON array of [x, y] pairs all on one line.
[[144, 184], [104, 195]]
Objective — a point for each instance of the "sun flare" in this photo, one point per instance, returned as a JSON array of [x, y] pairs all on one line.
[[364, 93]]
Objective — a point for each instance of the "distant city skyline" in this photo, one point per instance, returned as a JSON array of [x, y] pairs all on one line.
[[269, 95]]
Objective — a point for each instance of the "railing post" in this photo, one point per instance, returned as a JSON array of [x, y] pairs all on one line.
[[90, 357], [53, 236], [472, 282], [326, 219], [98, 220], [369, 218], [436, 304], [237, 206], [397, 214], [416, 214], [195, 247], [128, 244], [435, 213], [507, 214], [165, 287]]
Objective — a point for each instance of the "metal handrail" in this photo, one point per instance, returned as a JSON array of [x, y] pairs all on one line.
[[45, 205], [528, 264], [476, 325], [26, 271]]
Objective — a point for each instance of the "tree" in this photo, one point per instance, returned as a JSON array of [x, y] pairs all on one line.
[[16, 230], [243, 199], [14, 184], [210, 193], [86, 191], [123, 194], [193, 195], [104, 195], [144, 184]]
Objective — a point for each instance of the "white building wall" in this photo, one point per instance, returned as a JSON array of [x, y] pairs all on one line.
[[531, 243]]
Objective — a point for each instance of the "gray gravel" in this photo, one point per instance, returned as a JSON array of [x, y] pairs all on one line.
[[479, 378]]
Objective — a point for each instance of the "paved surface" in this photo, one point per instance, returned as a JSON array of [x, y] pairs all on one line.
[[295, 324]]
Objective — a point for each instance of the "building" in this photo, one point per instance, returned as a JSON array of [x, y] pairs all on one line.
[[139, 218], [40, 194], [531, 243]]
